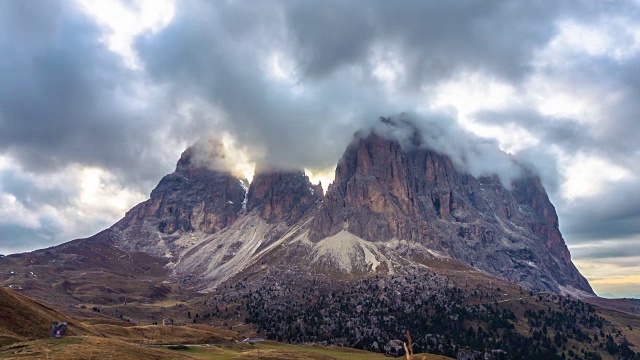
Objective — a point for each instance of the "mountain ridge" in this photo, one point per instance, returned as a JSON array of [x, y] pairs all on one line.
[[391, 195], [395, 204]]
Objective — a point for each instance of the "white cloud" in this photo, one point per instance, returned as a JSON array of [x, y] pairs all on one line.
[[126, 21], [469, 93], [613, 37], [13, 212], [94, 198], [101, 195], [388, 67], [588, 175]]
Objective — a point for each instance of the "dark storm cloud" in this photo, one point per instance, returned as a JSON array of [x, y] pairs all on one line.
[[614, 87], [618, 135], [16, 238], [65, 98], [221, 52], [221, 55], [609, 250], [42, 15], [435, 38], [218, 51], [612, 84], [68, 99], [615, 213], [565, 132]]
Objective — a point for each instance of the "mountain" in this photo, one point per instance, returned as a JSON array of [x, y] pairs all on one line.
[[395, 204], [391, 204], [282, 195], [191, 199], [96, 270], [404, 238], [415, 199]]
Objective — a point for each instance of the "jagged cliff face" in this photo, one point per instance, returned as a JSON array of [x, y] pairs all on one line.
[[193, 198], [211, 225], [282, 195], [384, 193]]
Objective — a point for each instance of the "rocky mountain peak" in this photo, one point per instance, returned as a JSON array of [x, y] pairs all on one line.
[[193, 197], [393, 187], [187, 163], [282, 195]]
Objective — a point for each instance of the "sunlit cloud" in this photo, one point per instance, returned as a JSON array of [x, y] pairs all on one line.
[[589, 175], [127, 20]]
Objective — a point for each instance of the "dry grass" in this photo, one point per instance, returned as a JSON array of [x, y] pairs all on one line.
[[87, 271], [629, 325], [159, 334], [92, 347], [80, 347], [24, 319], [274, 350]]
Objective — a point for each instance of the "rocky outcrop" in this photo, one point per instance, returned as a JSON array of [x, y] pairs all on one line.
[[282, 195], [191, 198], [384, 191]]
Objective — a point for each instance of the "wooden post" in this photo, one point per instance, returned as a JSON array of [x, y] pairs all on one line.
[[408, 349]]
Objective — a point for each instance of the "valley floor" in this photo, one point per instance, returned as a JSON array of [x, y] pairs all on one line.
[[93, 347], [449, 308]]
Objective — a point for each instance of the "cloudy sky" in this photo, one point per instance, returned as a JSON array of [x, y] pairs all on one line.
[[98, 99]]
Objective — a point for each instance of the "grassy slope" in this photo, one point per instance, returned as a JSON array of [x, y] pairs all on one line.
[[629, 325], [90, 270], [274, 350], [158, 334], [92, 347], [115, 339], [24, 319]]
